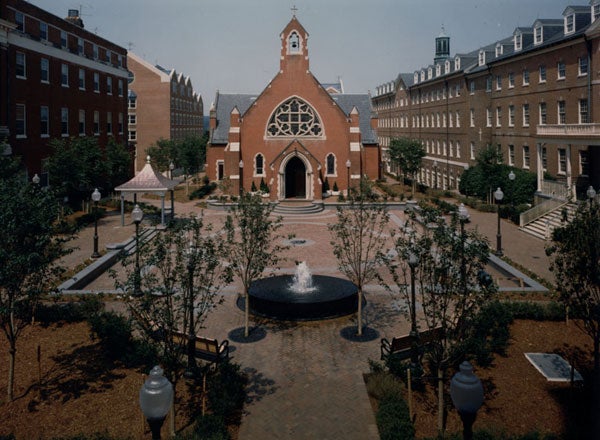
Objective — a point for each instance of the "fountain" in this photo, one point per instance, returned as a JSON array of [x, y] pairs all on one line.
[[302, 296]]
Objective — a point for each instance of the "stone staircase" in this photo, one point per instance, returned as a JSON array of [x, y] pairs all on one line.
[[298, 208], [543, 226]]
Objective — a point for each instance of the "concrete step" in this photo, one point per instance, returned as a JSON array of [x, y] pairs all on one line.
[[542, 227], [298, 209]]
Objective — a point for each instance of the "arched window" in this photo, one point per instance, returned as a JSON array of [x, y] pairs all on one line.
[[294, 43], [259, 165], [330, 164], [294, 118]]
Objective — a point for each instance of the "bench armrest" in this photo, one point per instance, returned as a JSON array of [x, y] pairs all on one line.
[[223, 349], [385, 348]]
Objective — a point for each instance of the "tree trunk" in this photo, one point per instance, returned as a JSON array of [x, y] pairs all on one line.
[[11, 371], [359, 313], [595, 410], [440, 374], [246, 312]]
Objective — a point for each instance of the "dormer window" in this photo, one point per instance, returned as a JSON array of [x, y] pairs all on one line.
[[416, 77], [457, 63], [595, 12], [570, 24], [538, 35], [447, 67], [430, 73], [499, 50], [294, 43], [518, 41], [481, 57], [438, 70], [422, 75]]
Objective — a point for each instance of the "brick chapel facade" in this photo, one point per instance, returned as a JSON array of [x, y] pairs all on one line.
[[294, 135]]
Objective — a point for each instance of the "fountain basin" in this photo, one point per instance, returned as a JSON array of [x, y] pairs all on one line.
[[332, 297]]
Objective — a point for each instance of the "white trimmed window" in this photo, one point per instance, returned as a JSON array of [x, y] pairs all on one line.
[[543, 113], [498, 116], [20, 21], [458, 149], [511, 155], [63, 39], [20, 67], [44, 121], [583, 66], [525, 115], [542, 72], [64, 75], [43, 31], [583, 111], [570, 24], [472, 150], [498, 82], [561, 70], [562, 112], [81, 79], [96, 122], [525, 77], [294, 118], [511, 80], [64, 121], [457, 119], [518, 41], [44, 70], [109, 85], [488, 117], [544, 158], [21, 121], [472, 117], [96, 82], [259, 165], [538, 35], [526, 158], [584, 163], [511, 115], [562, 161]]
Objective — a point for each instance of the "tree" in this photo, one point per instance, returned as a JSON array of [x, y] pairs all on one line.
[[28, 254], [575, 253], [163, 153], [118, 164], [408, 155], [358, 239], [253, 243], [451, 285], [183, 272]]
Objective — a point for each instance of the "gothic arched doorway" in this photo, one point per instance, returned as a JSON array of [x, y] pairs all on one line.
[[295, 179]]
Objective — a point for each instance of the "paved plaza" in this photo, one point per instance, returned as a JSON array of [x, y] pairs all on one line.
[[306, 379]]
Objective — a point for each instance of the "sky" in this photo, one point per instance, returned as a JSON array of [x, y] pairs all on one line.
[[233, 46]]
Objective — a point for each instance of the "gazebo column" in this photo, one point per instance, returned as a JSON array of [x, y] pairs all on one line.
[[172, 205], [122, 209]]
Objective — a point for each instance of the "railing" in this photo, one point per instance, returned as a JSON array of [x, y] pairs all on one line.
[[558, 190], [539, 211], [569, 130]]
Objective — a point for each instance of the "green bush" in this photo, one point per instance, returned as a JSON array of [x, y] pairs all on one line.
[[207, 427], [548, 311], [79, 311], [393, 419], [383, 384], [203, 191], [253, 187], [226, 390], [263, 186]]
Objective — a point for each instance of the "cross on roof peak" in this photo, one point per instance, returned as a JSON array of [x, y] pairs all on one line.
[[294, 10]]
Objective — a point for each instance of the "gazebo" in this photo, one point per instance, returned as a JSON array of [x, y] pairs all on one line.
[[148, 181]]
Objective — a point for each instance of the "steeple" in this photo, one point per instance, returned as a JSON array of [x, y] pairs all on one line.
[[442, 47], [294, 45]]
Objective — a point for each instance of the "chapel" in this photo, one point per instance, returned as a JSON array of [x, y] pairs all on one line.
[[297, 137]]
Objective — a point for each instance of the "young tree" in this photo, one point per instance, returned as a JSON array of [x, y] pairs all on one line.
[[450, 283], [183, 272], [408, 155], [28, 254], [118, 164], [575, 253], [253, 244], [358, 239]]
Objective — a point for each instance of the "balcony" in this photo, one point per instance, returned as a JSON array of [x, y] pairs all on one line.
[[570, 133]]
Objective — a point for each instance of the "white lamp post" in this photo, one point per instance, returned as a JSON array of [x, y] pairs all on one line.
[[498, 195], [348, 165], [591, 194], [466, 392], [137, 215], [96, 198], [36, 179], [241, 164], [171, 168], [156, 398]]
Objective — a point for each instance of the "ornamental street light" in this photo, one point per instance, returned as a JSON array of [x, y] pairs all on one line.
[[241, 165], [36, 179], [463, 216], [171, 168], [348, 165], [591, 194], [137, 215], [435, 174], [156, 398], [96, 198], [413, 262], [466, 392], [498, 195]]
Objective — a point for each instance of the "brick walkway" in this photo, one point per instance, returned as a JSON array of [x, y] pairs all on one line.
[[306, 379]]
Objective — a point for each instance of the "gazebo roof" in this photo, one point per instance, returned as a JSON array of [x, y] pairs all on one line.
[[148, 180]]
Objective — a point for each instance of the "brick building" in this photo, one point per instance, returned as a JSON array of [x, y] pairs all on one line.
[[294, 134], [533, 94], [57, 80], [162, 105]]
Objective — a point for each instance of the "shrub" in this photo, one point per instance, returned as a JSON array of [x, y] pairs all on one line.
[[393, 419], [253, 187], [335, 187], [383, 384], [114, 333], [203, 191], [78, 311], [263, 186], [549, 311], [226, 390]]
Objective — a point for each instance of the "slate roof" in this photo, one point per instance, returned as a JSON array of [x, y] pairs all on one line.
[[225, 103], [148, 180]]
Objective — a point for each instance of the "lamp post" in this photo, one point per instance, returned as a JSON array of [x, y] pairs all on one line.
[[137, 215], [36, 179], [413, 261], [511, 178], [591, 194], [435, 174], [171, 168], [96, 198], [498, 195], [156, 398], [191, 348], [348, 165], [466, 392], [241, 164]]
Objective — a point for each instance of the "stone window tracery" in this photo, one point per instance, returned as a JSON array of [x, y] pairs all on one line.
[[294, 118]]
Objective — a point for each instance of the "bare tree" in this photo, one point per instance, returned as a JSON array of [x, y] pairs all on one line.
[[451, 283], [358, 239], [253, 244]]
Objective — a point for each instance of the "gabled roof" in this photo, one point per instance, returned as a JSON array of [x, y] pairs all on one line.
[[225, 103], [148, 180]]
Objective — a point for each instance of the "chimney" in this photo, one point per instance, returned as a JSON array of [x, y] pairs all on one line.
[[74, 18]]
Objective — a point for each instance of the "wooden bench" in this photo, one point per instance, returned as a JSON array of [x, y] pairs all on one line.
[[207, 349], [401, 347]]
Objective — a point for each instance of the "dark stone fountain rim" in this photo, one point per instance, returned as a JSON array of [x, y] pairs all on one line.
[[328, 288]]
